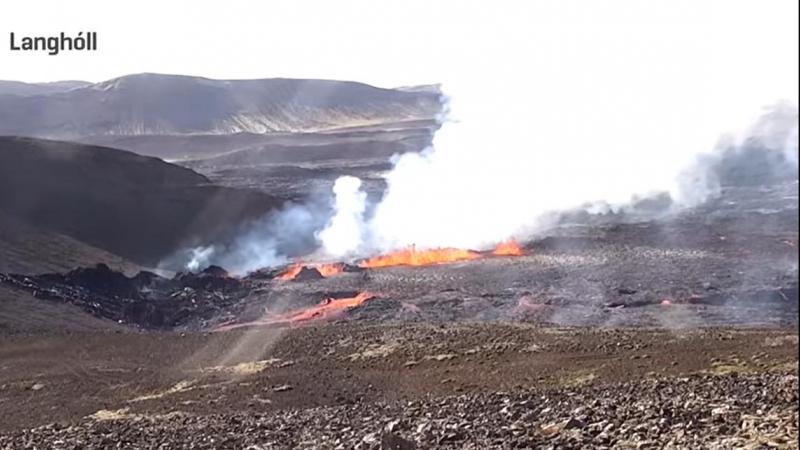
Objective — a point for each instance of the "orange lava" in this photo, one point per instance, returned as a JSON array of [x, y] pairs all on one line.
[[325, 270], [329, 269], [412, 257], [508, 248], [325, 309], [291, 273]]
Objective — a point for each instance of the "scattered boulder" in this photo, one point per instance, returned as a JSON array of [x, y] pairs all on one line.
[[352, 268], [213, 277], [391, 440], [215, 271], [102, 279]]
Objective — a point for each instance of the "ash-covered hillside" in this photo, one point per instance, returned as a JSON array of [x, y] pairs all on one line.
[[138, 208]]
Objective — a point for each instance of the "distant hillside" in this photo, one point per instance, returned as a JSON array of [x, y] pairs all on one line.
[[295, 152], [150, 104], [28, 250], [136, 207], [435, 88], [372, 141], [20, 88]]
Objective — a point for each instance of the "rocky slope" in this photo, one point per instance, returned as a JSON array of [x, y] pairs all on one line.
[[138, 208], [30, 250]]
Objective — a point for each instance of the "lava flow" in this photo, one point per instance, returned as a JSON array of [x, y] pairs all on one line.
[[326, 309], [325, 270], [412, 257], [508, 248]]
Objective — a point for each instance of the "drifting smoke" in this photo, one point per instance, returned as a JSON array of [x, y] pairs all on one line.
[[199, 257], [592, 112], [564, 109], [272, 240]]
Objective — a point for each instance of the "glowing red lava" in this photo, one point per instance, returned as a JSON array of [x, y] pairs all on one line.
[[326, 309], [409, 257], [508, 248], [325, 270], [413, 257]]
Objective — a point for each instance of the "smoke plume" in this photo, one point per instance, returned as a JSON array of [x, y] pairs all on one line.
[[565, 109], [270, 241], [592, 112], [343, 232]]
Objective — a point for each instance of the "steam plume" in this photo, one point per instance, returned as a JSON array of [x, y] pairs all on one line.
[[590, 108], [597, 111], [343, 232]]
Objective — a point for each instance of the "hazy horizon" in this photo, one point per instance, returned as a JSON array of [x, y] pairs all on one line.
[[211, 78], [387, 44]]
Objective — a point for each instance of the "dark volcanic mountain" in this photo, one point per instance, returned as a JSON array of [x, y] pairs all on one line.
[[139, 208], [150, 104]]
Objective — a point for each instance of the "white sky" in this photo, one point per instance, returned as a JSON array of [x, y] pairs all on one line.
[[381, 43], [378, 42]]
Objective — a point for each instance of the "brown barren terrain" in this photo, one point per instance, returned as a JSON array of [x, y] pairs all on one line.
[[644, 329], [156, 380]]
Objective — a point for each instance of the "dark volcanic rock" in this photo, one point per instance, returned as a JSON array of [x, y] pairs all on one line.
[[213, 278], [145, 278], [215, 271], [352, 268], [268, 273], [101, 279], [308, 274], [145, 300]]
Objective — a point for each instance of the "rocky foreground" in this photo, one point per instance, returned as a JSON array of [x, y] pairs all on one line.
[[708, 411]]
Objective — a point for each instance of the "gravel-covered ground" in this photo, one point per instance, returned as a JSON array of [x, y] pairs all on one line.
[[711, 411], [610, 332], [480, 385]]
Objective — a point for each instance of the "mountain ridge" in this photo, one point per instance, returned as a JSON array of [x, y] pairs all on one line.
[[158, 104], [22, 88]]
